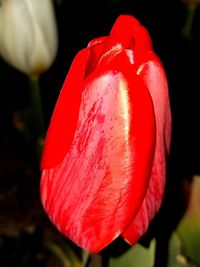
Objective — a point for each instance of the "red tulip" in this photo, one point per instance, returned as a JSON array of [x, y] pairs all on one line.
[[104, 160]]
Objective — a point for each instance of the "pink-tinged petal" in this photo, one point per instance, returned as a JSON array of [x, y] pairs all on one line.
[[151, 70], [98, 188], [60, 135]]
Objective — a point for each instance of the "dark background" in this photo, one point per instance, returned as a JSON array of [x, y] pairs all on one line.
[[78, 23]]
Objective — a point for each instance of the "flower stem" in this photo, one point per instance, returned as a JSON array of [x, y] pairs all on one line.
[[187, 28], [96, 260], [37, 116]]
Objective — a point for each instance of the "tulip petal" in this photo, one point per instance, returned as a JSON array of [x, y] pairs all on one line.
[[127, 25], [93, 194], [96, 49], [60, 135], [153, 74]]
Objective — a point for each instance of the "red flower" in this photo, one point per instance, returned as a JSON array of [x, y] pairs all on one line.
[[104, 160]]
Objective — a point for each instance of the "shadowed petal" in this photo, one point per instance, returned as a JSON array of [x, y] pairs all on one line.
[[153, 74]]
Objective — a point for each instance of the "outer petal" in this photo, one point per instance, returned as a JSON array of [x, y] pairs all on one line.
[[154, 76], [95, 191], [61, 133]]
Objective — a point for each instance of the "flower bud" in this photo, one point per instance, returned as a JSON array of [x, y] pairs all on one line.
[[105, 154], [28, 35]]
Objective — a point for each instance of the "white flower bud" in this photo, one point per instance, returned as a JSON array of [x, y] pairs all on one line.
[[28, 34]]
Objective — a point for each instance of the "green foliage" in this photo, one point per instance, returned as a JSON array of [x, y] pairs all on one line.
[[136, 256], [184, 246], [189, 231]]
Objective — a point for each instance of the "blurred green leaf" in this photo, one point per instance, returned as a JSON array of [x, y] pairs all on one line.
[[59, 253], [178, 257], [184, 246], [136, 256], [189, 231], [64, 253], [175, 248], [85, 257]]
